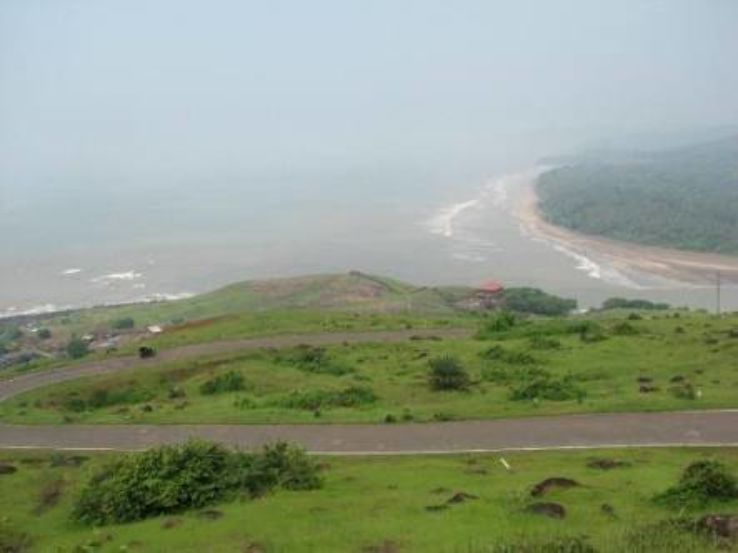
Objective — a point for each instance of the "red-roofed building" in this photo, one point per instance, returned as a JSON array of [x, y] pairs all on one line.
[[491, 287]]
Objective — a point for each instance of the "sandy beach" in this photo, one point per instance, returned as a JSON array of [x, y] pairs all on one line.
[[693, 268]]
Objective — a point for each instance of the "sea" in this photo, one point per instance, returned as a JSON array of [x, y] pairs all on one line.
[[77, 244]]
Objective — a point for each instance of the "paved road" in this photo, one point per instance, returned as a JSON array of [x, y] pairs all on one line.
[[31, 381], [718, 428], [573, 431]]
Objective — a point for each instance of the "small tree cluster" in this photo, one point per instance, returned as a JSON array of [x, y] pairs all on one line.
[[447, 373], [171, 479]]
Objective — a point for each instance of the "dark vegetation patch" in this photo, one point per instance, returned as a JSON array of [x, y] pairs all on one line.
[[510, 375], [460, 497], [172, 479], [544, 343], [232, 381], [603, 463], [7, 468], [623, 303], [499, 353], [64, 460], [536, 301], [353, 396], [101, 397], [210, 514], [550, 484], [447, 373], [565, 544], [49, 496], [719, 526], [683, 390], [701, 482], [12, 540], [625, 329], [313, 359], [547, 508], [550, 388]]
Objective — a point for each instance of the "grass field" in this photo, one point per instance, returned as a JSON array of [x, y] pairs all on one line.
[[617, 363], [381, 505]]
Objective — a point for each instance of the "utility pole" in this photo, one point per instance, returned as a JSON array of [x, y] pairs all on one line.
[[717, 291]]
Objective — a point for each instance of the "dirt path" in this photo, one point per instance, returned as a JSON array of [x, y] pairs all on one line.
[[709, 428], [31, 381]]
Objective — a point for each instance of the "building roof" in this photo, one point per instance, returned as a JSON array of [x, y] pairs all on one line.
[[491, 287]]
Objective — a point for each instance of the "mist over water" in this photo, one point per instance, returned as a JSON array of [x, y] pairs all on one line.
[[159, 149]]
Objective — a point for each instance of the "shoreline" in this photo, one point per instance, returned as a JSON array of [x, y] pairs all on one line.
[[678, 266]]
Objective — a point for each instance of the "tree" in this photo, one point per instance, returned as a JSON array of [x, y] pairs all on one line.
[[446, 373]]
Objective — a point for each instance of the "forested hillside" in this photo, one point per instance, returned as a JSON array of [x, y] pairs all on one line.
[[685, 198]]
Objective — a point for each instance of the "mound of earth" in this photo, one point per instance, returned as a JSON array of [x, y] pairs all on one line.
[[549, 509], [549, 484]]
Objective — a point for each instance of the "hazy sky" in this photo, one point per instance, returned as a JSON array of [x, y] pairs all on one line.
[[159, 88]]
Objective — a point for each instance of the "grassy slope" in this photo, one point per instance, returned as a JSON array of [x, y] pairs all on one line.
[[342, 302], [704, 353], [373, 501]]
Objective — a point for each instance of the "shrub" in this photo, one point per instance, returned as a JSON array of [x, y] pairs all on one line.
[[77, 348], [624, 329], [499, 322], [315, 360], [533, 300], [353, 396], [105, 397], [446, 373], [507, 375], [512, 357], [700, 483], [12, 540], [171, 479], [125, 323], [231, 381], [43, 333], [548, 387]]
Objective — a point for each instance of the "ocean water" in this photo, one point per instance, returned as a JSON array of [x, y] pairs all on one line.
[[67, 245]]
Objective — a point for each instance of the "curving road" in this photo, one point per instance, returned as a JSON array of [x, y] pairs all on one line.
[[697, 428]]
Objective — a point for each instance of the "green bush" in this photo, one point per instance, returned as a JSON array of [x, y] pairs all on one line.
[[700, 483], [231, 381], [624, 329], [499, 353], [125, 323], [685, 390], [548, 387], [353, 396], [77, 348], [508, 375], [43, 333], [501, 321], [172, 479], [314, 360], [105, 397], [538, 302], [446, 373]]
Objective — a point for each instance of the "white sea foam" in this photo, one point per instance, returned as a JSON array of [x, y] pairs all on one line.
[[34, 310], [443, 222], [113, 277], [73, 271]]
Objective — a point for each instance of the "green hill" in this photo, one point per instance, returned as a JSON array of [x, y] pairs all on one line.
[[685, 198]]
